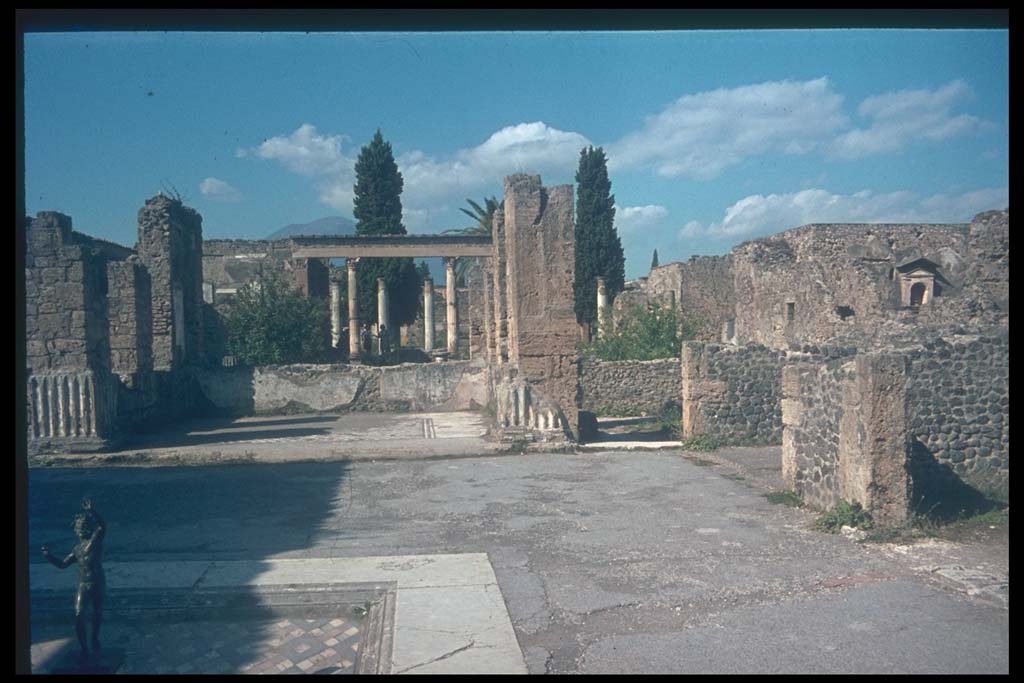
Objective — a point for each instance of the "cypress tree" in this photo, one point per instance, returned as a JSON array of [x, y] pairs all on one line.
[[598, 247], [654, 260], [378, 211]]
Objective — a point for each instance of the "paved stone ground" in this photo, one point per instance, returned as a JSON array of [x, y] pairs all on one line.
[[256, 646], [298, 438], [642, 562]]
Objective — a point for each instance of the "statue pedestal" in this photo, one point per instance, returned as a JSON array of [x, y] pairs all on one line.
[[71, 662]]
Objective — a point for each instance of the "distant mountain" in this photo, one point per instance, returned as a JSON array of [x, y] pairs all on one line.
[[332, 225]]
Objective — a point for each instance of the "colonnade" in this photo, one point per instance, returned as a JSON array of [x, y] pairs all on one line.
[[452, 310]]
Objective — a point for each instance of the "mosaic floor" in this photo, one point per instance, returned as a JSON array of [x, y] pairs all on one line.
[[283, 645]]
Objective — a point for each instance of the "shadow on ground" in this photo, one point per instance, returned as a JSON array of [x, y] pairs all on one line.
[[631, 429], [939, 493], [257, 513], [227, 430]]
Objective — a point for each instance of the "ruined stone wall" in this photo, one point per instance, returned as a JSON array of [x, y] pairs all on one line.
[[312, 277], [630, 387], [231, 264], [474, 296], [170, 246], [633, 295], [958, 393], [455, 385], [988, 245], [130, 320], [540, 264], [732, 393], [499, 272], [789, 287], [701, 288], [957, 410], [462, 302], [66, 298], [71, 394], [845, 435]]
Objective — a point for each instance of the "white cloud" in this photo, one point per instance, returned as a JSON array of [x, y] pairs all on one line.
[[218, 189], [899, 118], [338, 193], [417, 219], [701, 135], [758, 215], [305, 152], [630, 218], [524, 148]]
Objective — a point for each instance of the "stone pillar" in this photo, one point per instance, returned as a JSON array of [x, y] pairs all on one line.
[[488, 316], [792, 414], [602, 307], [498, 285], [540, 264], [382, 306], [353, 310], [692, 355], [451, 307], [474, 309], [428, 314], [873, 438], [335, 314], [170, 247]]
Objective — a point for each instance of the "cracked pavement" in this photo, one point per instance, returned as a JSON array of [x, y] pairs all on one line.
[[610, 562]]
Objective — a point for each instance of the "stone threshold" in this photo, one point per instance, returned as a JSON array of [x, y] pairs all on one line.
[[605, 446]]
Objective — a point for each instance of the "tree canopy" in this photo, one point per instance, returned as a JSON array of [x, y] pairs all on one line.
[[378, 211], [598, 247]]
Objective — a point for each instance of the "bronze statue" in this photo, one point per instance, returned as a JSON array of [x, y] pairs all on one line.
[[88, 554]]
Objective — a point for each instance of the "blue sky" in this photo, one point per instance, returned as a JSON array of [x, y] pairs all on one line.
[[713, 137]]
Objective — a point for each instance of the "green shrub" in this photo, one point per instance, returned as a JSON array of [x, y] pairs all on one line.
[[272, 323], [703, 442], [644, 333], [787, 498], [844, 514]]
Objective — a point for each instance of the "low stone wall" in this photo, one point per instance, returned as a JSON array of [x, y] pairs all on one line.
[[455, 385], [958, 404], [629, 387], [732, 393]]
